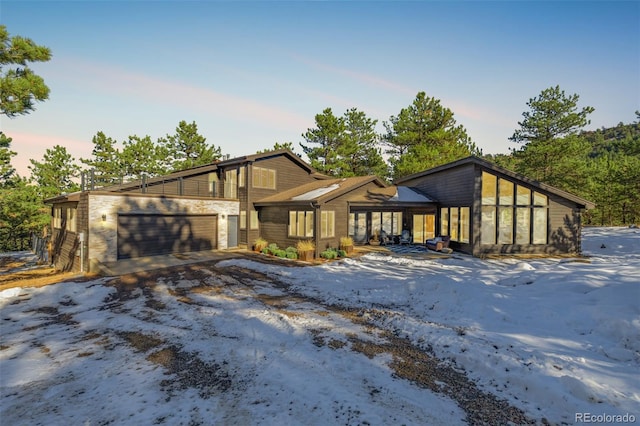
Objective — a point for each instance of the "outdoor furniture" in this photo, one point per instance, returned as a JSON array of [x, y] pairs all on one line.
[[405, 237], [384, 238], [440, 243]]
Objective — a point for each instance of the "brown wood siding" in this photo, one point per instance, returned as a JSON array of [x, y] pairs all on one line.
[[156, 234], [288, 175], [274, 222], [452, 187], [64, 244], [564, 225], [341, 209]]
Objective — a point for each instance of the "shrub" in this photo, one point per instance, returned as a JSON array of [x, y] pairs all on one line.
[[346, 241], [305, 245], [291, 254], [280, 253], [329, 253], [259, 244], [342, 253]]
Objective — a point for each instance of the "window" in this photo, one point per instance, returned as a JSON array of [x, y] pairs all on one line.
[[231, 184], [489, 183], [358, 227], [213, 184], [327, 224], [517, 216], [71, 219], [455, 222], [243, 219], [506, 192], [389, 222], [57, 217], [264, 178], [255, 223], [242, 176], [444, 221], [464, 224], [488, 225], [300, 223], [539, 226]]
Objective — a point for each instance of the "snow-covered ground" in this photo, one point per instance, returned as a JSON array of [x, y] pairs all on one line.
[[557, 338]]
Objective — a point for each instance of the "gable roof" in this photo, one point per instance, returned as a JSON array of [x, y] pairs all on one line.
[[495, 168], [320, 191], [270, 154]]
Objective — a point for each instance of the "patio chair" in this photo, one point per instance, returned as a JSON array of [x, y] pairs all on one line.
[[405, 237], [440, 243], [384, 238]]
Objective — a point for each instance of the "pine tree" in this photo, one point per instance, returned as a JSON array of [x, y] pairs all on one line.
[[106, 165], [56, 174], [187, 148]]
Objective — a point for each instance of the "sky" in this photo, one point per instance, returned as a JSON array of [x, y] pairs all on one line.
[[251, 74]]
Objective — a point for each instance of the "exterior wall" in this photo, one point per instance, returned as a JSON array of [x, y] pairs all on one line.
[[102, 234], [65, 245], [288, 175], [563, 225]]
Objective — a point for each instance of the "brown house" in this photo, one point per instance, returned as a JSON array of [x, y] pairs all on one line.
[[203, 208], [483, 208], [486, 209]]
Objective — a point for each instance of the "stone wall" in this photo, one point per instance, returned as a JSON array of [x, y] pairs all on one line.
[[103, 210]]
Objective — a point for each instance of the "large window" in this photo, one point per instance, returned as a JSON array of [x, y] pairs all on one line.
[[213, 184], [263, 178], [455, 222], [300, 223], [327, 224], [389, 222], [241, 176], [358, 227], [231, 184], [511, 213], [424, 227]]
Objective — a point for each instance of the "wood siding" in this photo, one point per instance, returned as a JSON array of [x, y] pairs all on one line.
[[64, 244], [288, 175]]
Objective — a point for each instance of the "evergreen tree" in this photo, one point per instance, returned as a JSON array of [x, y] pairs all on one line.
[[278, 146], [21, 213], [425, 135], [56, 173], [549, 132], [140, 157], [325, 141], [187, 148], [360, 152], [7, 172], [106, 165], [20, 88]]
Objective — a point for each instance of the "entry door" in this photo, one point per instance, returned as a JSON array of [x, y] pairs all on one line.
[[424, 227], [232, 231]]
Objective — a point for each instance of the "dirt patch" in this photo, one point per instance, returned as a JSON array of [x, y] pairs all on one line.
[[39, 277]]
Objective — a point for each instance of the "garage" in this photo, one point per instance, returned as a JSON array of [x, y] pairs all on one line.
[[142, 235]]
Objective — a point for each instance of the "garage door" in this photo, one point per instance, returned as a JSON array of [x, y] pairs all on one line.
[[152, 235]]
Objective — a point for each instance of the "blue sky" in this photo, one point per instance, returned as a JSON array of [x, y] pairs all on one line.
[[254, 73]]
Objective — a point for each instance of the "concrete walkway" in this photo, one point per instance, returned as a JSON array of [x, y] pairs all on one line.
[[151, 263]]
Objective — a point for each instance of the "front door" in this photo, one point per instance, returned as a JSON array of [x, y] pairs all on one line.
[[424, 227], [232, 231]]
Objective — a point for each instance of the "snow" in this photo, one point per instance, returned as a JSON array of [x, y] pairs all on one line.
[[405, 194], [555, 337], [312, 195]]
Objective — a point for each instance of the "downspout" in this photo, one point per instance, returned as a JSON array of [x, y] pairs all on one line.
[[317, 226]]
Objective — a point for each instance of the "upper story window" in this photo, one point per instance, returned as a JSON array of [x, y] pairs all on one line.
[[231, 184], [213, 184], [263, 178], [57, 217], [71, 219], [242, 173]]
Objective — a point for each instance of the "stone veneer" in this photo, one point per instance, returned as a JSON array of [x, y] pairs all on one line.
[[102, 241]]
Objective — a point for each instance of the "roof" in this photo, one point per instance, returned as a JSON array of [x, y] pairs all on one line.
[[320, 191], [269, 154], [490, 166], [393, 195]]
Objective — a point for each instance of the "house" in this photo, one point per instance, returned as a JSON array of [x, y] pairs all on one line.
[[486, 209], [275, 195], [326, 210], [203, 208]]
